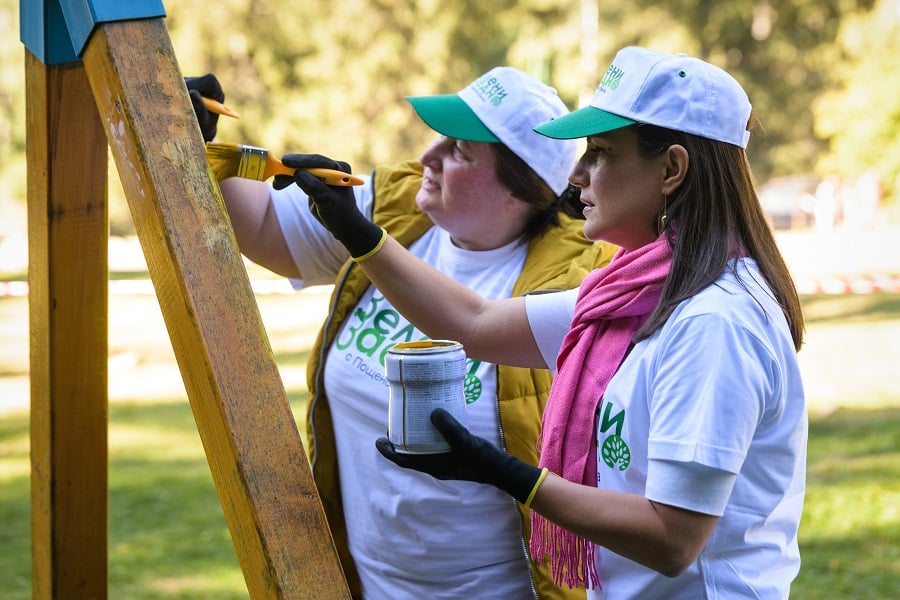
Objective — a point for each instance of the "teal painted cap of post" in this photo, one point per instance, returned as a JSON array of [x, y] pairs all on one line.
[[56, 31]]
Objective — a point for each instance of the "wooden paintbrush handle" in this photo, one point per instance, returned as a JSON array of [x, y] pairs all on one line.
[[276, 167], [328, 176], [219, 108], [335, 177]]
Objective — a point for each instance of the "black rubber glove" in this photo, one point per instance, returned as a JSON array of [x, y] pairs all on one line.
[[334, 206], [206, 85], [470, 458]]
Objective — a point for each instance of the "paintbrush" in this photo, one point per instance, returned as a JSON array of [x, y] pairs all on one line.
[[218, 108], [251, 162]]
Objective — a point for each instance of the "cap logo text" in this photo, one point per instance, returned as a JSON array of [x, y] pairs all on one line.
[[612, 78], [490, 90]]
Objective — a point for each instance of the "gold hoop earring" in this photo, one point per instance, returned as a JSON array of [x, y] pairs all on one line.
[[662, 217]]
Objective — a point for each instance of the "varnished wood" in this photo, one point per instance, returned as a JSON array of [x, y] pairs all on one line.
[[67, 278], [249, 434]]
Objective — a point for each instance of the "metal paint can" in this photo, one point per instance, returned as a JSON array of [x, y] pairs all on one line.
[[423, 376]]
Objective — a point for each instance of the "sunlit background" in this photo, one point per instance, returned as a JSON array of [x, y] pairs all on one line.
[[330, 76]]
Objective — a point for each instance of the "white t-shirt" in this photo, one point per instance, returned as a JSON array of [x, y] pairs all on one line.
[[411, 536], [707, 414]]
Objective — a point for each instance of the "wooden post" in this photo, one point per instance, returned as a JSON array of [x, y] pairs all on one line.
[[251, 441], [248, 431], [67, 282]]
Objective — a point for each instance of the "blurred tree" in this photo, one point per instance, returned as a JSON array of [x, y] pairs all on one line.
[[12, 105], [778, 51], [860, 116], [331, 76], [782, 52]]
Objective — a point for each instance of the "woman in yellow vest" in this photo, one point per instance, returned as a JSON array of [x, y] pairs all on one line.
[[487, 204]]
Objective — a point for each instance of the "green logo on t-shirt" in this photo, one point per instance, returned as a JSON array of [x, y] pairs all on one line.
[[614, 451], [472, 385], [372, 329]]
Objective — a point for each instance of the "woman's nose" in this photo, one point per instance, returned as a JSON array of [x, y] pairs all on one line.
[[577, 176], [433, 154]]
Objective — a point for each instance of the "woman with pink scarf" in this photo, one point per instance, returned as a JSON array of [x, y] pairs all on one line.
[[673, 446]]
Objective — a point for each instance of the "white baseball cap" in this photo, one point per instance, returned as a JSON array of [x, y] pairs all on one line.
[[673, 91], [505, 105]]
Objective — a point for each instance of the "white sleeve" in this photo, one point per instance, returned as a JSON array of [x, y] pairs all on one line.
[[315, 251], [712, 378], [550, 316], [689, 485]]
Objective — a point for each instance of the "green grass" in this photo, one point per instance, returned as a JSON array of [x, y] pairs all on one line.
[[850, 534], [167, 534]]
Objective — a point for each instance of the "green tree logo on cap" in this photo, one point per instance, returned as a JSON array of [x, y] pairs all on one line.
[[490, 89], [612, 78]]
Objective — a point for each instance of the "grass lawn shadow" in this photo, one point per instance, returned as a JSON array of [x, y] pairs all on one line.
[[850, 534]]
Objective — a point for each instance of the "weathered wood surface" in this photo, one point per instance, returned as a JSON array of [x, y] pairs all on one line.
[[67, 278], [251, 441]]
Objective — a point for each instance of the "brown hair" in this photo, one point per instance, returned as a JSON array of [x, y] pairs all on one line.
[[527, 186], [711, 216]]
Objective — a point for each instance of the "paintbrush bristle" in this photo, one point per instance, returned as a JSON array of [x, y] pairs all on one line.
[[237, 160], [224, 159]]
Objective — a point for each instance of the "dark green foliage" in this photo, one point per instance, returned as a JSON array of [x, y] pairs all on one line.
[[331, 77]]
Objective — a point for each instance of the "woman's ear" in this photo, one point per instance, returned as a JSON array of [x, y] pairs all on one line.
[[677, 164]]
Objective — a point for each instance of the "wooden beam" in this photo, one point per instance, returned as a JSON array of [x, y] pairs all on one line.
[[67, 279], [249, 434]]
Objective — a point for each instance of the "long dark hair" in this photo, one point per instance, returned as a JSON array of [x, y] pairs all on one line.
[[526, 185], [711, 217]]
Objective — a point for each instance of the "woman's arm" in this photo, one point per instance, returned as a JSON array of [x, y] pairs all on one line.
[[492, 330], [256, 226], [495, 331], [664, 538], [661, 537]]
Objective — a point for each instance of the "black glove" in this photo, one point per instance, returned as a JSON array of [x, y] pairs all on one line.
[[333, 206], [470, 458], [208, 86]]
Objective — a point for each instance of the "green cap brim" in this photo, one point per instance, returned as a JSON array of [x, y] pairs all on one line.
[[582, 123], [449, 115]]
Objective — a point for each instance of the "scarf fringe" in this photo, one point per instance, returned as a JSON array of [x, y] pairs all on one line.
[[571, 557]]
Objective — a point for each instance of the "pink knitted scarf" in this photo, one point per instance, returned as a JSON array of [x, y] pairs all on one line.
[[613, 302]]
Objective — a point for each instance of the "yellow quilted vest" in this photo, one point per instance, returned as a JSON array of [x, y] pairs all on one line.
[[558, 260]]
